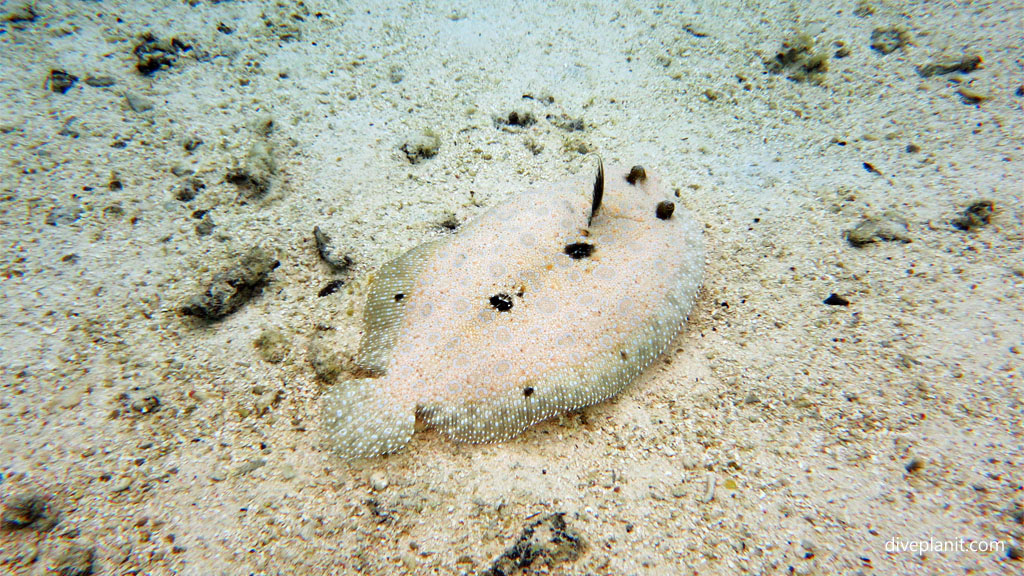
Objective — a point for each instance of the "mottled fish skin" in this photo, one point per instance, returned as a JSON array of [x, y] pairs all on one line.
[[498, 327]]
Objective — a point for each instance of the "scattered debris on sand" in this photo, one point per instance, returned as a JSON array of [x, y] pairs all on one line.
[[548, 541]]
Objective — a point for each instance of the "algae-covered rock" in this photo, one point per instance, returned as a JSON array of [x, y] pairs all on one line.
[[888, 39], [978, 214], [233, 287], [798, 60]]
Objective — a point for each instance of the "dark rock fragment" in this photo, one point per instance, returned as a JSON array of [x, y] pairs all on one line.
[[60, 81], [548, 541], [948, 66], [153, 54], [636, 174], [331, 287], [978, 214], [836, 300], [664, 209], [329, 252], [914, 465], [233, 287]]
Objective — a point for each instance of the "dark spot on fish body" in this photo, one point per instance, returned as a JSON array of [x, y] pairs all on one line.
[[624, 355], [399, 297], [579, 250], [501, 302], [636, 174], [665, 209], [528, 391]]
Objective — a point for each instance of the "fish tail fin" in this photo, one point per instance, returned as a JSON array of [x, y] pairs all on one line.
[[361, 420]]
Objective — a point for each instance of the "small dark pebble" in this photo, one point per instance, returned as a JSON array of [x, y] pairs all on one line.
[[60, 81], [233, 287], [914, 465], [978, 214], [329, 252], [636, 174], [948, 66], [546, 542], [28, 510], [330, 288], [836, 300], [913, 148], [664, 209], [74, 560]]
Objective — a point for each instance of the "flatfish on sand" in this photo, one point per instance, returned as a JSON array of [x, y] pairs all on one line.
[[554, 300]]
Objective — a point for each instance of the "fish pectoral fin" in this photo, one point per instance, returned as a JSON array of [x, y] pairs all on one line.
[[360, 420]]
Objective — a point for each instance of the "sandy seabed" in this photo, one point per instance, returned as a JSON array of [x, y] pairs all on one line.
[[145, 146]]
